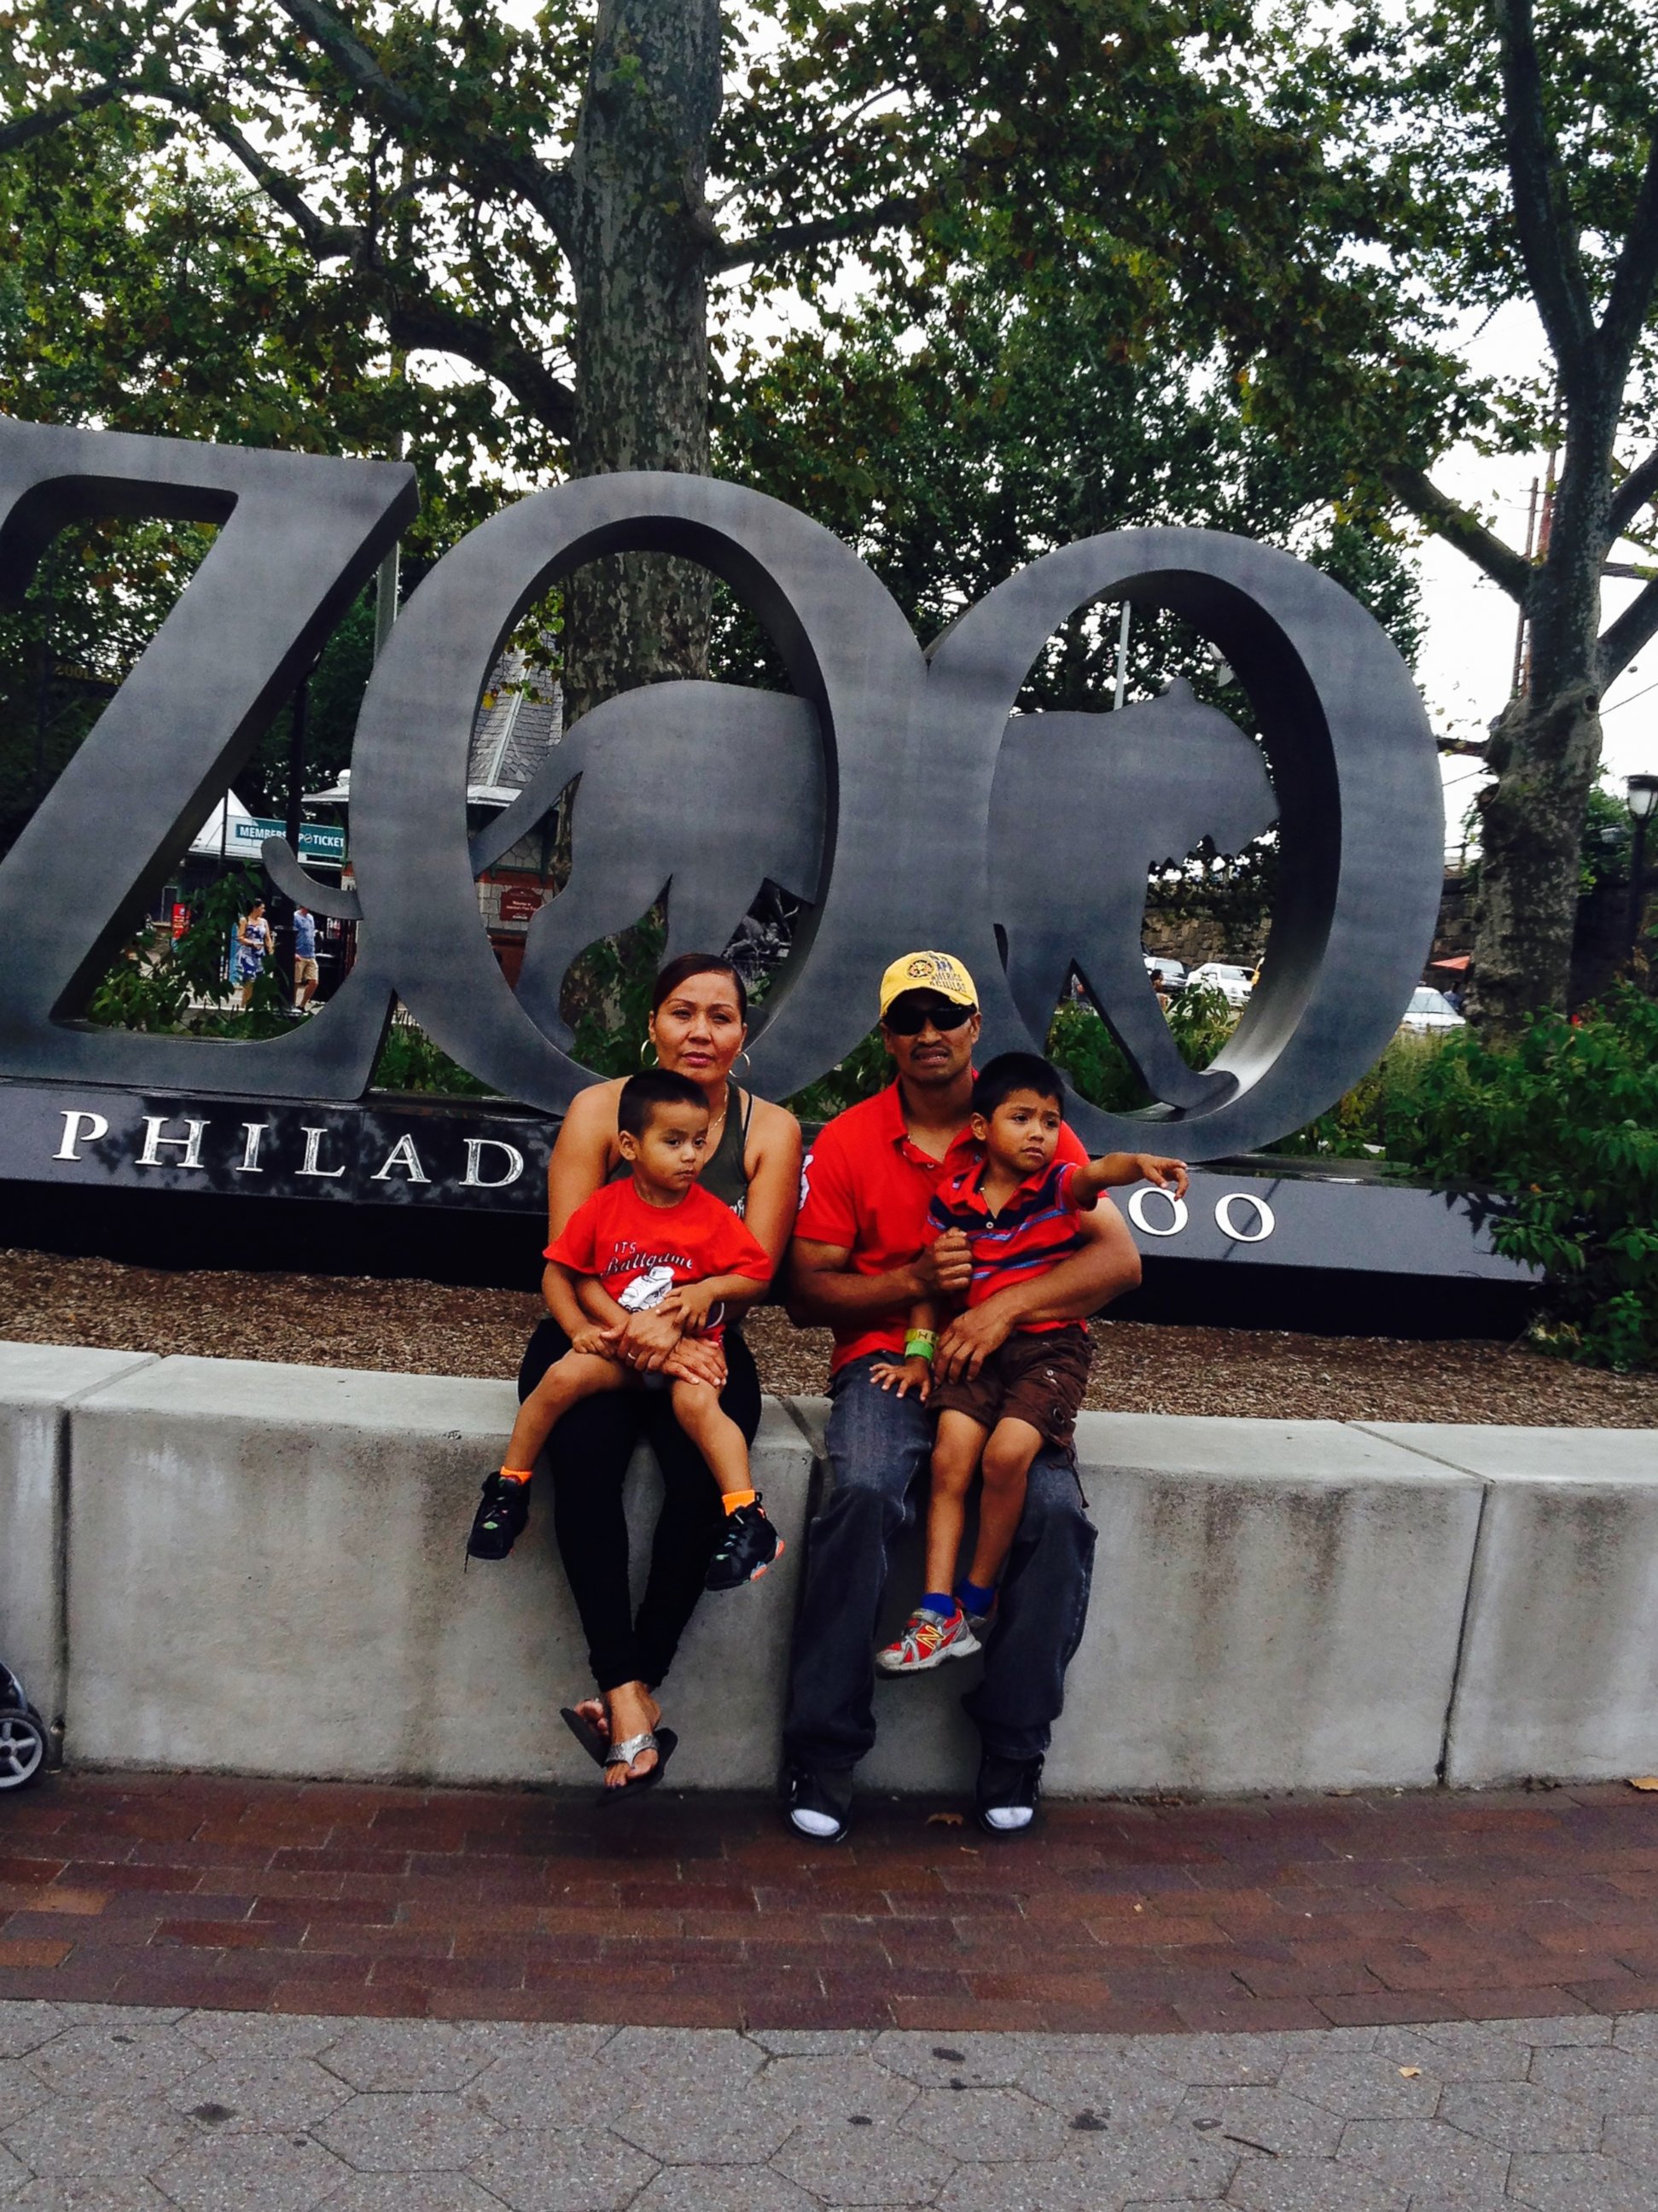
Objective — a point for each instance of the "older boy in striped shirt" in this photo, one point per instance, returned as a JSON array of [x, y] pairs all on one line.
[[1017, 1206]]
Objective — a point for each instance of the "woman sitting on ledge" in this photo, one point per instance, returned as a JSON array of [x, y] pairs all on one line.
[[698, 1026]]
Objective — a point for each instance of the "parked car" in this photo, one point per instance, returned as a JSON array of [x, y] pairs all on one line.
[[1431, 1012], [1230, 981]]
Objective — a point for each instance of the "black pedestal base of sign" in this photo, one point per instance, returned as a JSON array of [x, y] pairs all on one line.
[[184, 1232]]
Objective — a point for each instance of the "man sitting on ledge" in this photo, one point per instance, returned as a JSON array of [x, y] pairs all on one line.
[[858, 1262]]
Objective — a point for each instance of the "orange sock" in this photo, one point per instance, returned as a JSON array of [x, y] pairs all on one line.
[[515, 1473], [733, 1498]]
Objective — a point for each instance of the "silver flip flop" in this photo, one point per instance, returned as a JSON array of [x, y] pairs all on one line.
[[662, 1740]]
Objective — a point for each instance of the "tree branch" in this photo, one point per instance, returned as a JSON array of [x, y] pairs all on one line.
[[323, 241], [795, 237], [433, 325], [20, 131], [1506, 567], [540, 186], [1548, 234], [1622, 640], [1640, 485], [1635, 276]]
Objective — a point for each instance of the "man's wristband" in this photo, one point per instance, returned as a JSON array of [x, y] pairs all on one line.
[[921, 1344]]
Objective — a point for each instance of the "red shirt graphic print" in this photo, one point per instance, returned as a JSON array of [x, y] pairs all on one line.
[[640, 1252]]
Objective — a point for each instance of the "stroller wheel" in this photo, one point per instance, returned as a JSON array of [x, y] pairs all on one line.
[[22, 1747]]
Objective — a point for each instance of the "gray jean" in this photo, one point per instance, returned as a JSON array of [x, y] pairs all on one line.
[[879, 1446]]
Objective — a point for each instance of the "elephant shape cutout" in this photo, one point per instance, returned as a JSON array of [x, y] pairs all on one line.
[[756, 764], [1083, 808]]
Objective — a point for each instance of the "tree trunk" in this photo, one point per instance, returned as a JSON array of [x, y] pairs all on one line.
[[1545, 749], [639, 167]]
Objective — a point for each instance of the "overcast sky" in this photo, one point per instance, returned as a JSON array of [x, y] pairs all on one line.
[[1467, 660]]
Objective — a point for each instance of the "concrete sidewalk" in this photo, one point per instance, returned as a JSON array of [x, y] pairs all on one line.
[[116, 2110]]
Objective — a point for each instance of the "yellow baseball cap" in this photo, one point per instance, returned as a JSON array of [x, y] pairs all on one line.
[[927, 971]]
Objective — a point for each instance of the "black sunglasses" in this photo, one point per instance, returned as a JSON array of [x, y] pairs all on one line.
[[910, 1021]]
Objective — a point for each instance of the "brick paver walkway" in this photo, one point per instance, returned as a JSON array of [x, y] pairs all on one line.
[[703, 1912]]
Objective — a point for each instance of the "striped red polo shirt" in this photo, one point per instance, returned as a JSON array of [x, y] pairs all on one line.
[[1034, 1231], [865, 1188]]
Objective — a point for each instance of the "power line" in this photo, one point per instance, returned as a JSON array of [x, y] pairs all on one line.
[[1630, 700]]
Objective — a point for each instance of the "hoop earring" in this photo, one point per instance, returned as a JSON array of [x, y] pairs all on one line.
[[648, 1046], [748, 1066]]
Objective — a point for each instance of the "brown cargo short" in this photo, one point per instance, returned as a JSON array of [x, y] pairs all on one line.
[[1037, 1377]]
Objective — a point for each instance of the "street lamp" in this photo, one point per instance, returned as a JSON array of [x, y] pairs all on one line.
[[1642, 793]]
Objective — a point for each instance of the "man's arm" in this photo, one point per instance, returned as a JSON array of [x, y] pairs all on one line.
[[823, 1292], [1107, 1265]]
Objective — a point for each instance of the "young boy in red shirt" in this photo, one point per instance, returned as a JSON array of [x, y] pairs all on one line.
[[623, 1250], [1017, 1208]]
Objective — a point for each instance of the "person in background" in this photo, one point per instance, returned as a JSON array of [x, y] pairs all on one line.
[[305, 957], [252, 942]]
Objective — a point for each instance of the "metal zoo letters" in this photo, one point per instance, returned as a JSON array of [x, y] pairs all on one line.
[[896, 791]]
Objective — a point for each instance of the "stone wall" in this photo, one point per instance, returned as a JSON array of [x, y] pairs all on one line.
[[241, 1566]]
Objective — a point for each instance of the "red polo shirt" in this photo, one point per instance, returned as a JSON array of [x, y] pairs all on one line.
[[867, 1188]]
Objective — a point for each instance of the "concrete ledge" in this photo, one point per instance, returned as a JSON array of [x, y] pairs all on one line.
[[1276, 1605], [38, 1384], [268, 1578], [259, 1569], [1559, 1669]]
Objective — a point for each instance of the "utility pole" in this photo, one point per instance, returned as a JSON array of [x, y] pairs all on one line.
[[299, 732]]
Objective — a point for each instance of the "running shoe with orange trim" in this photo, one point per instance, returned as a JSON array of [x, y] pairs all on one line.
[[927, 1640]]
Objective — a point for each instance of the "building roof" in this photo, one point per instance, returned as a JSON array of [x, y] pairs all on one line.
[[518, 721], [518, 724]]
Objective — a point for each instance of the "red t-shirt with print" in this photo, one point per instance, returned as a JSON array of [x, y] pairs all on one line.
[[640, 1252]]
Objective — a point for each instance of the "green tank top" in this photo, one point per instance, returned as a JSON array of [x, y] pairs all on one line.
[[726, 1174]]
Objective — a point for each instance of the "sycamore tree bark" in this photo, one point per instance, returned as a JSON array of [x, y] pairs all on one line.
[[639, 243], [1545, 744]]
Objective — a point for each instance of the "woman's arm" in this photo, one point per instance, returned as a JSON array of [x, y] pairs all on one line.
[[773, 1162], [581, 1155], [563, 1289]]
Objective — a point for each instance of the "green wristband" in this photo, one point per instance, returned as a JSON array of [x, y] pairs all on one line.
[[921, 1344]]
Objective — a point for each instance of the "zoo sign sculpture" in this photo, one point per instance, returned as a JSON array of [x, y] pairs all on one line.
[[897, 791]]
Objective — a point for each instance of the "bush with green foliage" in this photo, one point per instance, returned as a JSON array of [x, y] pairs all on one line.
[[409, 1060], [1564, 1126], [1079, 1043]]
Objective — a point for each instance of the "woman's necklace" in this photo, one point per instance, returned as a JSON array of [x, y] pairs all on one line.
[[716, 1126]]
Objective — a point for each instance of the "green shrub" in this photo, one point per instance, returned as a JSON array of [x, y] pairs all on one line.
[[1376, 1115], [409, 1060], [1564, 1126], [611, 983], [1079, 1043]]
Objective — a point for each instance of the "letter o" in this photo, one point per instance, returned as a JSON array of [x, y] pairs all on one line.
[[1176, 1210], [1265, 1222]]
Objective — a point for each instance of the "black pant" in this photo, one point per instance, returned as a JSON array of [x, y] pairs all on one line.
[[878, 1450], [588, 1454]]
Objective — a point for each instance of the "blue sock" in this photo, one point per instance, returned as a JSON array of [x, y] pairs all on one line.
[[976, 1598], [938, 1601]]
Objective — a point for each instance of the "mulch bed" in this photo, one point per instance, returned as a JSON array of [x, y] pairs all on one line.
[[1139, 1367], [703, 1911]]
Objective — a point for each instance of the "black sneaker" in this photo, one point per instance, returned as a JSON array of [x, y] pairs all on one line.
[[748, 1545], [498, 1522], [1005, 1799], [820, 1803]]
